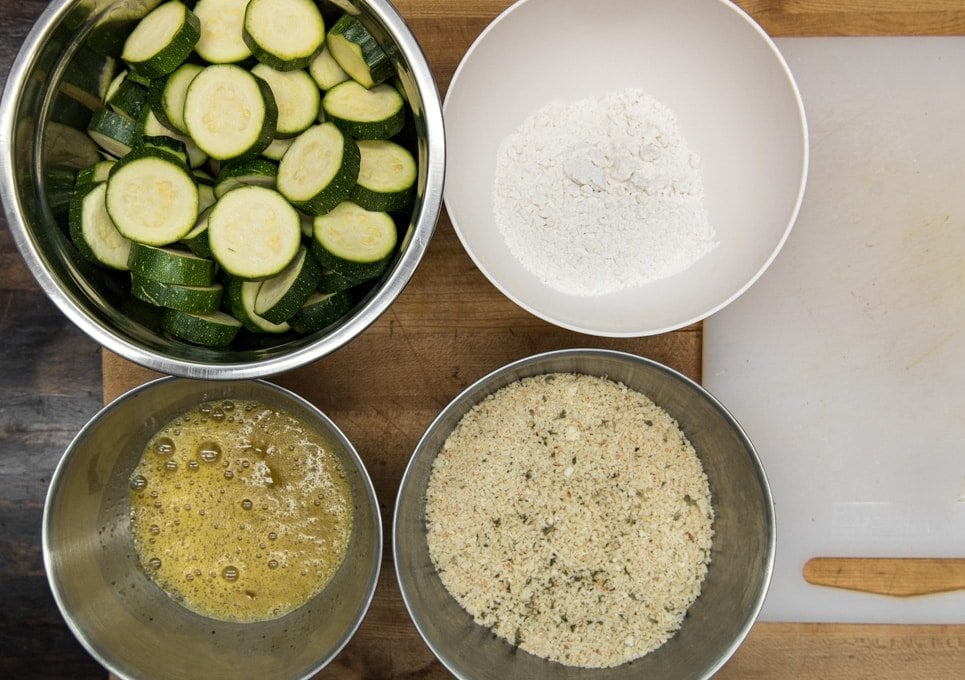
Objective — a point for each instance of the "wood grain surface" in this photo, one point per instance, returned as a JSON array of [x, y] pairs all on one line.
[[895, 576], [447, 328]]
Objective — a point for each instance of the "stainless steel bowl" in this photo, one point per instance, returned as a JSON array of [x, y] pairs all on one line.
[[52, 88], [742, 554], [125, 620]]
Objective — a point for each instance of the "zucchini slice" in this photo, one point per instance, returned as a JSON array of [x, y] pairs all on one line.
[[152, 127], [114, 132], [358, 52], [284, 34], [296, 97], [168, 93], [281, 296], [197, 239], [253, 232], [333, 281], [230, 113], [194, 299], [376, 113], [216, 329], [353, 241], [94, 174], [206, 198], [126, 97], [162, 40], [276, 150], [241, 301], [320, 311], [257, 171], [172, 264], [387, 175], [152, 198], [93, 232], [325, 70], [319, 169], [222, 23]]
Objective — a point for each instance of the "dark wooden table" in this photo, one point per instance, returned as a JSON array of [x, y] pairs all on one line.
[[52, 382]]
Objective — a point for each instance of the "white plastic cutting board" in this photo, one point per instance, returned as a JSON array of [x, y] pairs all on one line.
[[845, 362]]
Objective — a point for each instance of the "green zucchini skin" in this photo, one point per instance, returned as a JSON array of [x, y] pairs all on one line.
[[297, 281], [216, 329], [358, 53], [171, 265], [320, 311], [192, 299], [241, 297], [114, 132]]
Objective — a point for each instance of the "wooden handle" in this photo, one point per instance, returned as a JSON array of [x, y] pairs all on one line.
[[900, 577]]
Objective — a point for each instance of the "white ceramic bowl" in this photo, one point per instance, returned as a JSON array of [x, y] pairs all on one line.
[[737, 106]]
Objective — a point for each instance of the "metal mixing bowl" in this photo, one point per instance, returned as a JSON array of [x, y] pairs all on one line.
[[742, 556], [51, 90], [125, 620]]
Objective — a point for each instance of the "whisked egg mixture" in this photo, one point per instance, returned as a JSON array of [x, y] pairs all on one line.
[[239, 511]]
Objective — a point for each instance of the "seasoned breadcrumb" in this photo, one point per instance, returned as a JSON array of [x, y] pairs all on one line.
[[570, 514]]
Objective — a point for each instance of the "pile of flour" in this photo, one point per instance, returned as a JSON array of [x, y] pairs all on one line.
[[601, 194]]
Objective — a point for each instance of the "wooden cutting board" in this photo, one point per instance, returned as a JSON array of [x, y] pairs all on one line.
[[450, 326]]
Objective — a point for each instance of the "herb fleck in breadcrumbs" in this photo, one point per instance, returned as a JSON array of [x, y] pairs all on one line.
[[571, 515]]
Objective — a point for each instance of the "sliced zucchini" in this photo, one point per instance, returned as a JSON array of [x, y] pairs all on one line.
[[152, 127], [126, 97], [230, 113], [277, 148], [152, 198], [94, 174], [320, 311], [162, 40], [296, 97], [165, 144], [172, 264], [325, 70], [216, 329], [333, 281], [197, 239], [222, 23], [376, 113], [253, 232], [284, 34], [358, 52], [241, 297], [206, 197], [257, 171], [319, 169], [92, 231], [387, 175], [354, 241], [168, 93], [281, 296], [114, 132], [194, 299]]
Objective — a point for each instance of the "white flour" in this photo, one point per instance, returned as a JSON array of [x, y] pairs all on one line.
[[601, 194]]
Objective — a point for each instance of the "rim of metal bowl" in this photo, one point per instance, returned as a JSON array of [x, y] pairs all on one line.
[[104, 412], [362, 317], [519, 366]]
